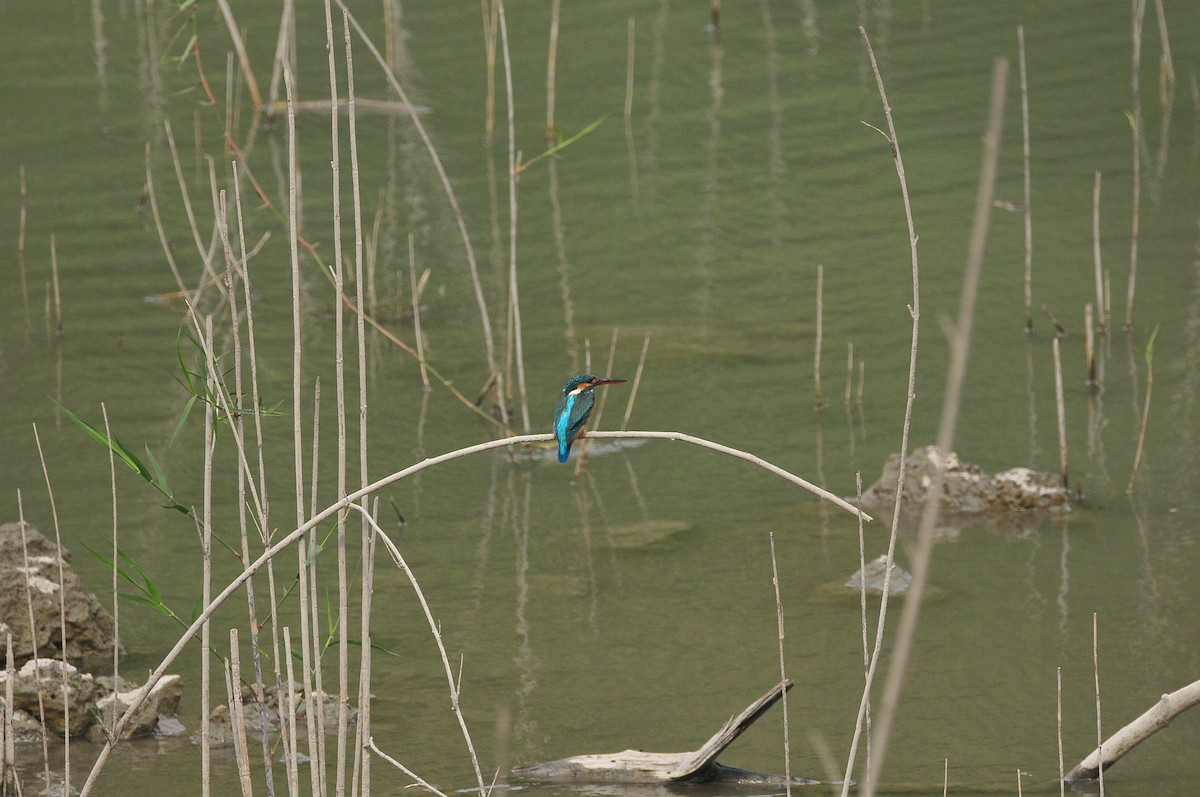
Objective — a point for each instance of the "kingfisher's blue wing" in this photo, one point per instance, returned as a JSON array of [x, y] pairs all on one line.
[[569, 419]]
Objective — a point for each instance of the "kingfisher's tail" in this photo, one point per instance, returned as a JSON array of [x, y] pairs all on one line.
[[564, 451]]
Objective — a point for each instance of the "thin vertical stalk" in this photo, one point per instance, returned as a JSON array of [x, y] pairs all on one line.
[[415, 291], [263, 503], [62, 609], [513, 179], [22, 213], [237, 714], [818, 401], [1096, 254], [293, 761], [915, 312], [787, 748], [8, 777], [1096, 676], [551, 66], [1062, 783], [58, 315], [1060, 405], [1139, 13], [116, 613], [484, 316], [489, 49], [210, 443], [1028, 193], [1089, 339], [367, 543], [340, 392], [1141, 440], [960, 340], [629, 64], [33, 636], [637, 380]]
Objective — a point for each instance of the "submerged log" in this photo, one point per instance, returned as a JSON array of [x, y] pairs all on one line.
[[637, 766]]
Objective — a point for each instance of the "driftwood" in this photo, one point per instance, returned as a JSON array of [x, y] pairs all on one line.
[[1159, 716], [637, 766]]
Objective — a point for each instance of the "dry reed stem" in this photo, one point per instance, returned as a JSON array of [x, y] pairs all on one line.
[[489, 47], [485, 319], [347, 502], [787, 744], [960, 340], [8, 778], [598, 416], [1141, 440], [862, 600], [818, 402], [116, 614], [340, 394], [164, 241], [281, 52], [1060, 406], [629, 64], [637, 380], [37, 672], [1059, 329], [367, 540], [205, 254], [514, 296], [915, 312], [237, 714], [551, 65], [424, 784], [1096, 260], [297, 436], [22, 213], [1089, 339], [1062, 784], [239, 268], [1096, 677], [1028, 213], [210, 444], [849, 373], [293, 755], [1139, 13], [415, 292], [243, 59], [62, 610], [58, 314]]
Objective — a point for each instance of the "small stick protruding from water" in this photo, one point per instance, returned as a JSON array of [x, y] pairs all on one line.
[[787, 750], [21, 218], [818, 401], [1141, 441], [629, 74], [1139, 13], [1062, 783], [1058, 328], [58, 316], [417, 287], [637, 380], [551, 70], [849, 372], [1103, 320], [714, 8], [1096, 675], [1062, 414], [1089, 336], [862, 375], [1025, 154]]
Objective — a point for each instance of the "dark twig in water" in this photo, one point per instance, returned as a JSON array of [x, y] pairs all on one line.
[[1059, 330]]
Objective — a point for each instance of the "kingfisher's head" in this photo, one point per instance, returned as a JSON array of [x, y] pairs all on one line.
[[581, 383]]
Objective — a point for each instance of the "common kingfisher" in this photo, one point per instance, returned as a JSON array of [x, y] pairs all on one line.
[[574, 408]]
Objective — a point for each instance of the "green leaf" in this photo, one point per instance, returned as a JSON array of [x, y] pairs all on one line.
[[111, 443]]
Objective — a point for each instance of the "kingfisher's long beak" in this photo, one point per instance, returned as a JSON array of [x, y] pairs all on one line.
[[607, 381]]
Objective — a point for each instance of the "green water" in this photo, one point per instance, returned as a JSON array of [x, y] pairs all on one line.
[[701, 224]]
